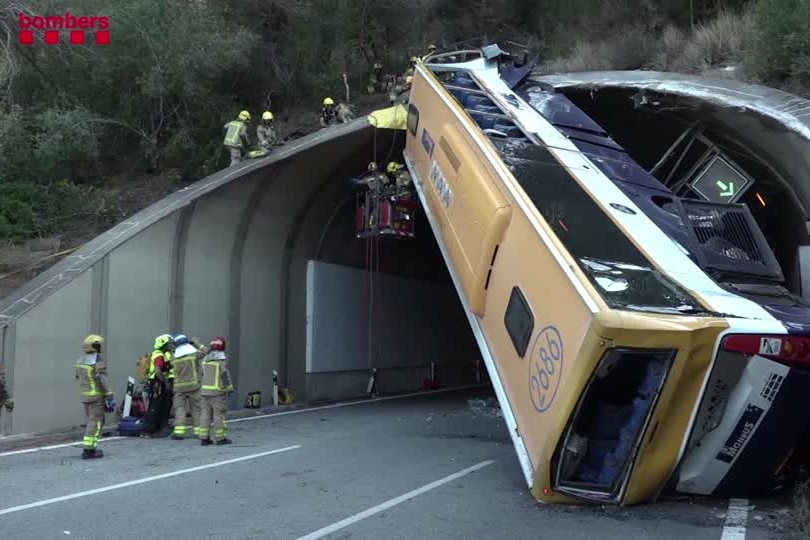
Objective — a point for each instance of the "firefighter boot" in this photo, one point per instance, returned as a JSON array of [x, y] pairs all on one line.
[[224, 441], [205, 442], [92, 453]]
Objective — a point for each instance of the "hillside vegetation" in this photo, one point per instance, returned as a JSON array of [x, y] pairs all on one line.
[[90, 134]]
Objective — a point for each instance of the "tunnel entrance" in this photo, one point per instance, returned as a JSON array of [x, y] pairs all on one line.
[[676, 140], [385, 306]]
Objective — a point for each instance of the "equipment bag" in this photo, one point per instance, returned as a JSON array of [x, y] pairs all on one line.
[[253, 400], [142, 367], [129, 426]]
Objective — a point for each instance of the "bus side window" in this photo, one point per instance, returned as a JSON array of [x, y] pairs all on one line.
[[519, 321]]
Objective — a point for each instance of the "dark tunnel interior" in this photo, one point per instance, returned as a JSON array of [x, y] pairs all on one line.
[[646, 134], [417, 258]]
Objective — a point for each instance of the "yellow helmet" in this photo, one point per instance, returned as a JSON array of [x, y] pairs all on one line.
[[92, 343], [267, 115], [393, 166], [162, 340], [414, 59], [328, 101], [244, 116]]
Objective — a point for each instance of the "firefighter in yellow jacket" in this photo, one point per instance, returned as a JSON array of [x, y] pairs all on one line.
[[94, 393], [216, 384], [186, 386], [236, 137]]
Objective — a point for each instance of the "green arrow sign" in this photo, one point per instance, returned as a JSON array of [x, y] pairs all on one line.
[[726, 190]]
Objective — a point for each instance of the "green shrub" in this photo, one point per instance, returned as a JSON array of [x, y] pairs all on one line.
[[783, 42], [30, 210]]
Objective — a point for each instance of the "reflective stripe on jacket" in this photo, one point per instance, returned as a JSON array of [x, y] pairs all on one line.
[[152, 369], [186, 376], [92, 376], [216, 378], [236, 132]]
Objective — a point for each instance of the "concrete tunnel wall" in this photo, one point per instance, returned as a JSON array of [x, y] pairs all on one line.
[[224, 256]]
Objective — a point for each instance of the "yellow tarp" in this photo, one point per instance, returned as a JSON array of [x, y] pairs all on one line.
[[395, 117]]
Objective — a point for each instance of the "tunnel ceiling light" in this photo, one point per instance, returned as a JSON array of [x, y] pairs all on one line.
[[760, 199]]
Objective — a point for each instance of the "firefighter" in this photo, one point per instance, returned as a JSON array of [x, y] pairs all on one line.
[[375, 181], [236, 137], [158, 412], [265, 132], [401, 92], [186, 386], [401, 178], [375, 80], [431, 50], [94, 393], [411, 67], [5, 399], [216, 385], [344, 113], [328, 113], [169, 357]]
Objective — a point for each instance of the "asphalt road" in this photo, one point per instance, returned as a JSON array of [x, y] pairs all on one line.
[[337, 473]]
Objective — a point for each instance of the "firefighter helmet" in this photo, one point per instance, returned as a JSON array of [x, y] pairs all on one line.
[[244, 116], [393, 166], [92, 343], [377, 65], [328, 101], [180, 339], [372, 166], [414, 59], [267, 115], [161, 341], [431, 48], [217, 344]]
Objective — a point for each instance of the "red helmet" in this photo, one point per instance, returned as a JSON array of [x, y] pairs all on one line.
[[217, 344]]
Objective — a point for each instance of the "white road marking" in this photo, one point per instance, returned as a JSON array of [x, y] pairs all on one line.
[[259, 417], [320, 533], [53, 447], [349, 403], [122, 485], [736, 520]]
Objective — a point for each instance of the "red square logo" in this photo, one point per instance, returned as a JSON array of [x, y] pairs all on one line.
[[26, 37], [103, 37], [51, 37], [76, 37]]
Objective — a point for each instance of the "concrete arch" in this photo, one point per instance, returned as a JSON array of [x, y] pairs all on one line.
[[211, 259]]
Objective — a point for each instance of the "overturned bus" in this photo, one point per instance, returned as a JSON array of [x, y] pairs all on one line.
[[636, 340]]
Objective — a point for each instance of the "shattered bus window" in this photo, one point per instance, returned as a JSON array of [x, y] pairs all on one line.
[[620, 272], [612, 414]]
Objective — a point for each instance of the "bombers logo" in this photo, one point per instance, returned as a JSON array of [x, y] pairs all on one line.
[[52, 25]]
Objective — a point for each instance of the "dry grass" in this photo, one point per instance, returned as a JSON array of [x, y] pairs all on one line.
[[726, 41], [626, 50]]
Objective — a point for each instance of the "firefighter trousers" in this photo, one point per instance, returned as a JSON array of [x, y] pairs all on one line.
[[212, 418], [157, 414], [186, 403], [94, 421], [236, 155]]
